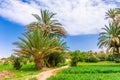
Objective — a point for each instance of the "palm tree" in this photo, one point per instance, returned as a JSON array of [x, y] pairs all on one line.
[[34, 44], [111, 14], [110, 38], [114, 15], [47, 23]]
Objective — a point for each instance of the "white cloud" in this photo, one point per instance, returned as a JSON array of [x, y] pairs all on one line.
[[77, 16]]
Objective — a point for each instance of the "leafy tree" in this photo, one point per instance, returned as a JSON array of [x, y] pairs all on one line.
[[110, 38], [47, 23], [35, 44]]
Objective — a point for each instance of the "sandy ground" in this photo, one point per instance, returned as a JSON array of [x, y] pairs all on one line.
[[6, 74], [46, 74]]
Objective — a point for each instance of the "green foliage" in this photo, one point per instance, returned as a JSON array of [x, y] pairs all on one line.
[[93, 59], [37, 45], [110, 38], [16, 63], [102, 56], [90, 71], [117, 60], [110, 57], [47, 23], [74, 58], [78, 56], [62, 64], [25, 72], [82, 56], [54, 58]]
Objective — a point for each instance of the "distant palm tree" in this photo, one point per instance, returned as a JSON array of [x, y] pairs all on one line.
[[35, 44], [110, 38], [47, 23], [114, 15], [111, 14]]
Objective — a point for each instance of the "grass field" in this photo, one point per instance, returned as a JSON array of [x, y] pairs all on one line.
[[90, 71], [27, 71]]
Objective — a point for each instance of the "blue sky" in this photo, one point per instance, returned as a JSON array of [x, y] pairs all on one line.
[[82, 19]]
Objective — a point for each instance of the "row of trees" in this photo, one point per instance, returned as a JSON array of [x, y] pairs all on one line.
[[110, 37], [42, 41], [94, 57]]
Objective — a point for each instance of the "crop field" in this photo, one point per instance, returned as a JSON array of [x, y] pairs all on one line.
[[90, 71]]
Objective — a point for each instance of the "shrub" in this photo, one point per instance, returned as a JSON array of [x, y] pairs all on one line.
[[93, 58], [82, 56], [6, 62], [102, 56], [16, 63], [75, 58], [117, 60], [54, 58], [111, 57]]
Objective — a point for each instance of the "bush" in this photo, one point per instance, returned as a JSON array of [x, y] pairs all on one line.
[[54, 58], [117, 60], [6, 62], [16, 63], [102, 56], [82, 56], [75, 58], [93, 58], [111, 57]]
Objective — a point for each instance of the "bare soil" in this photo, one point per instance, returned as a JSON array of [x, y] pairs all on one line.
[[6, 74], [46, 74]]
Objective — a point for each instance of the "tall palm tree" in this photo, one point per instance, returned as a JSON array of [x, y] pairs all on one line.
[[110, 38], [47, 23], [114, 15], [35, 44], [111, 14]]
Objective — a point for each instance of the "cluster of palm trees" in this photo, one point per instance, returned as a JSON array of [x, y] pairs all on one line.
[[110, 37], [42, 39]]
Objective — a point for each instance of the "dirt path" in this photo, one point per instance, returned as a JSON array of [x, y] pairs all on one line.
[[46, 74]]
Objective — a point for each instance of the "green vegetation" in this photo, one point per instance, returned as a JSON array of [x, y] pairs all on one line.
[[110, 38], [47, 23], [42, 41], [16, 63], [26, 71], [41, 46], [90, 71]]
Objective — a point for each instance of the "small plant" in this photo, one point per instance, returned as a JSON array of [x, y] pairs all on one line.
[[16, 63], [117, 60]]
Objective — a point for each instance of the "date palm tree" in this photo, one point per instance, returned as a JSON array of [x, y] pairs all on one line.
[[111, 14], [47, 23], [114, 16], [34, 44], [110, 38]]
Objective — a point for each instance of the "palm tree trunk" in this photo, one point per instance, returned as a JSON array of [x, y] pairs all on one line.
[[38, 62], [118, 52]]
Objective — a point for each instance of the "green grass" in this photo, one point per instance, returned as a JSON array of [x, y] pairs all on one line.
[[90, 71], [27, 71]]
